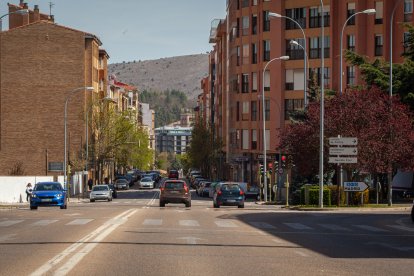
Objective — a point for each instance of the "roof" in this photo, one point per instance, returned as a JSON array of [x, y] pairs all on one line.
[[124, 85]]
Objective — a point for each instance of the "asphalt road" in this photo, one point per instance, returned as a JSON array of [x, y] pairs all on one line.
[[133, 236]]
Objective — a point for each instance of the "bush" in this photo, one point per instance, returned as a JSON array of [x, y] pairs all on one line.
[[314, 195]]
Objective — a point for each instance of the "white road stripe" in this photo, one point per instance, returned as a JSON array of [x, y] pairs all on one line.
[[225, 223], [152, 222], [297, 226], [44, 222], [335, 227], [190, 223], [79, 222], [71, 249], [9, 223], [261, 225], [370, 228], [301, 253]]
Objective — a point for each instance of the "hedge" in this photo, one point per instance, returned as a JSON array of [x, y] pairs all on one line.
[[314, 195]]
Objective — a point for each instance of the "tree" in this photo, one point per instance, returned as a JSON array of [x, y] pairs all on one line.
[[383, 137]]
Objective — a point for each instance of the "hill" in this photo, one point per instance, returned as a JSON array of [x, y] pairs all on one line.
[[182, 73]]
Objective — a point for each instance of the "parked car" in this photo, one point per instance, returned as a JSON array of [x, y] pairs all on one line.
[[121, 184], [114, 192], [100, 192], [146, 182], [204, 188], [412, 213], [128, 177], [228, 193], [48, 194], [252, 192], [173, 174], [175, 191], [212, 189]]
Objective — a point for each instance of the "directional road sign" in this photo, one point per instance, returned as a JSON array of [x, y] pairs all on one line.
[[343, 160], [343, 151], [343, 141], [355, 186]]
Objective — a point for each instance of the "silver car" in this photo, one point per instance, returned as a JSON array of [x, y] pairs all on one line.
[[146, 182], [100, 192], [121, 184]]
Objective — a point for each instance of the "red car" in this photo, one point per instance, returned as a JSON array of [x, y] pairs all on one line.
[[173, 174]]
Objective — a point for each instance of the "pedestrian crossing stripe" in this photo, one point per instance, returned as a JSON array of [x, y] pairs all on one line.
[[44, 222], [9, 223], [79, 222]]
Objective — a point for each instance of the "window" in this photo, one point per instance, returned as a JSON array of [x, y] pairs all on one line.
[[267, 134], [246, 53], [238, 27], [266, 50], [299, 15], [245, 83], [253, 114], [351, 11], [291, 106], [289, 79], [350, 41], [254, 3], [378, 45], [350, 75], [254, 139], [295, 79], [245, 111], [254, 24], [408, 10], [266, 21], [267, 80], [378, 12], [245, 139], [238, 55], [254, 53], [238, 111], [267, 110], [315, 44], [295, 51], [326, 76], [406, 40], [254, 82], [315, 18], [245, 3], [245, 25]]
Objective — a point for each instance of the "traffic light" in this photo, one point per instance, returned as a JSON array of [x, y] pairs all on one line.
[[270, 167], [261, 169], [283, 161], [290, 161]]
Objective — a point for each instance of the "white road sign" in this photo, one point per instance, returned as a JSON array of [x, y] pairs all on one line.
[[343, 160], [343, 151], [355, 186], [343, 141]]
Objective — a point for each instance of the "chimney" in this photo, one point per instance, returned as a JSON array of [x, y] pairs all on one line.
[[25, 17], [36, 13]]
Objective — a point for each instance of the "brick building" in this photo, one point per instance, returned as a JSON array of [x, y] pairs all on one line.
[[41, 63], [248, 38]]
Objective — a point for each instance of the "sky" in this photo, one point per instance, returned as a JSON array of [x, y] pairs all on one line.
[[137, 29]]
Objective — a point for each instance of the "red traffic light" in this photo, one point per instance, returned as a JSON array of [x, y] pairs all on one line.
[[283, 158]]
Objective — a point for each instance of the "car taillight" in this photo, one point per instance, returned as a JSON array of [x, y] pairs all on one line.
[[161, 189], [186, 189], [241, 192], [219, 193]]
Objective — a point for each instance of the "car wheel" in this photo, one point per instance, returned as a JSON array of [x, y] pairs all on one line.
[[109, 199], [64, 207], [241, 206], [33, 207], [188, 204], [215, 205], [92, 200], [162, 204]]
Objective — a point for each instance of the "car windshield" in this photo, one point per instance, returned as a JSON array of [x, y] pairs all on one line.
[[100, 188], [48, 187], [207, 184], [230, 187], [121, 180], [174, 185], [146, 179]]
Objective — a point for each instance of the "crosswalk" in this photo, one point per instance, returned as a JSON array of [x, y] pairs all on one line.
[[230, 224]]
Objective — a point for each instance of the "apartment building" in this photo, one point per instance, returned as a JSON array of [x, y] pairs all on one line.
[[42, 65], [248, 39]]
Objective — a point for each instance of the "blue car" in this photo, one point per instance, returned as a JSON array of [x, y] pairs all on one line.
[[48, 194], [228, 193]]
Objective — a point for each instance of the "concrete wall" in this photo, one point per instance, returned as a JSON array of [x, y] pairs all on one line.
[[13, 188]]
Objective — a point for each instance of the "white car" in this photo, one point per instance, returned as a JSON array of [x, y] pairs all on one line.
[[121, 184], [100, 192], [146, 182]]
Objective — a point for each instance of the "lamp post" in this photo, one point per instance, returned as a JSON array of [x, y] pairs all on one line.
[[368, 11], [264, 123], [389, 176], [322, 111], [23, 11], [87, 88], [277, 15]]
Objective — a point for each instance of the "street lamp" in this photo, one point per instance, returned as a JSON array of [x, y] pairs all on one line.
[[24, 11], [264, 123], [277, 15], [391, 90], [87, 88], [322, 107], [368, 11]]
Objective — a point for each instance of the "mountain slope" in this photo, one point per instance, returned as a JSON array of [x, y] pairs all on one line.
[[182, 73]]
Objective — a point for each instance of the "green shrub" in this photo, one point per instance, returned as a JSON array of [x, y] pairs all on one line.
[[314, 195]]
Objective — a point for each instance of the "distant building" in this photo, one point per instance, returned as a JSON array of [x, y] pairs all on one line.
[[172, 139], [148, 122]]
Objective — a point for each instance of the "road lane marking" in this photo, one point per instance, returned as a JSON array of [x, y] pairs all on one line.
[[72, 248], [371, 228], [157, 222], [301, 253], [79, 222], [297, 226], [9, 223], [190, 223], [44, 222], [225, 223], [335, 227], [190, 240], [261, 225]]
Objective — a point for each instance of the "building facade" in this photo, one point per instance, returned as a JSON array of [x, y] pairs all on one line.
[[249, 38], [172, 139]]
